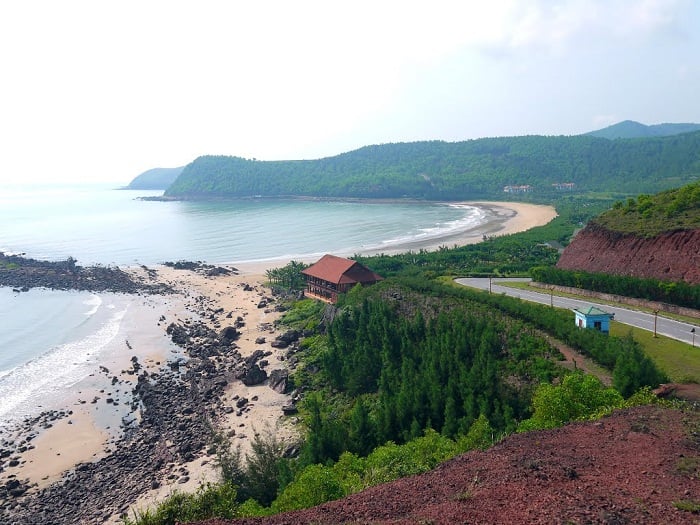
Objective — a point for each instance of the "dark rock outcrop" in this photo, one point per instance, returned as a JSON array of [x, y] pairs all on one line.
[[254, 376], [279, 379], [284, 340], [22, 273]]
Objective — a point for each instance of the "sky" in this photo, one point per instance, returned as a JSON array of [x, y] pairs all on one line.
[[100, 91]]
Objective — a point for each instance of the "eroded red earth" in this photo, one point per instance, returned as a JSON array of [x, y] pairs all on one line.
[[628, 468]]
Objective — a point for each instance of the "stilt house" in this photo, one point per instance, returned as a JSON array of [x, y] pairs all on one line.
[[332, 275]]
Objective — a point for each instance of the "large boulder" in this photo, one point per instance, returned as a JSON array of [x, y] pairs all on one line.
[[285, 339], [279, 379], [228, 335], [254, 376]]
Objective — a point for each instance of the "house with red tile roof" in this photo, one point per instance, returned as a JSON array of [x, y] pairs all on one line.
[[332, 275]]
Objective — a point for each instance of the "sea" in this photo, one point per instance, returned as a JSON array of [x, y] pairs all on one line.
[[52, 340]]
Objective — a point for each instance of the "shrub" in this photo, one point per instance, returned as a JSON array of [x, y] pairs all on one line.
[[315, 485], [209, 501], [580, 396]]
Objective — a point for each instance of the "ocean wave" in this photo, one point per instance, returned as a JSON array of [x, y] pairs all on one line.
[[36, 384], [473, 218], [95, 301]]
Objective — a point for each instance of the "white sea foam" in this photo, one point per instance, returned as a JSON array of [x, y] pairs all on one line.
[[473, 218], [28, 388], [94, 301]]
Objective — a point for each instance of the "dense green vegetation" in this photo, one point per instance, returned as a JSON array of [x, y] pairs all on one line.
[[288, 276], [673, 292], [405, 360], [650, 215], [437, 170], [631, 368], [579, 397], [417, 363]]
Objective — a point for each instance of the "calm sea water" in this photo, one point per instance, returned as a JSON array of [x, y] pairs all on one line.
[[50, 340]]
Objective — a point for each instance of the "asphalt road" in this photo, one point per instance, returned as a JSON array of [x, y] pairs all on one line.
[[646, 321]]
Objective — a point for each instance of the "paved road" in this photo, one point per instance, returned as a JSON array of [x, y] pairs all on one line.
[[664, 326]]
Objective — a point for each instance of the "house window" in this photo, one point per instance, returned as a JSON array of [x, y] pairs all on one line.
[[598, 325]]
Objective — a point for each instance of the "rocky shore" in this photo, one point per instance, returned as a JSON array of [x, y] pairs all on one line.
[[22, 273], [175, 409]]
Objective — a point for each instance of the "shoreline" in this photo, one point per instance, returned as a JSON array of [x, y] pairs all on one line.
[[506, 218], [79, 438]]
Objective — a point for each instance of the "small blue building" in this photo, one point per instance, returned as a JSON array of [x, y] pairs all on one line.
[[594, 318]]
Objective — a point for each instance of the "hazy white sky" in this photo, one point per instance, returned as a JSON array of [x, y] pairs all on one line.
[[96, 90]]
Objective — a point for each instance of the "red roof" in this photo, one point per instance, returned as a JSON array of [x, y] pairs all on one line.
[[339, 270]]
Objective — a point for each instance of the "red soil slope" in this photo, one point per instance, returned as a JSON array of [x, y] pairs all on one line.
[[672, 256], [627, 468]]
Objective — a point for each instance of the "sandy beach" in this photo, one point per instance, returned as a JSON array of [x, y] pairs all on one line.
[[90, 429]]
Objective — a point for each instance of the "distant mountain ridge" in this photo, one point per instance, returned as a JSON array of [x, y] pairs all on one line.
[[436, 170], [630, 129], [155, 179]]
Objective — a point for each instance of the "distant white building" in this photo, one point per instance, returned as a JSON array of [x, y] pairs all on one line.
[[517, 189], [564, 186]]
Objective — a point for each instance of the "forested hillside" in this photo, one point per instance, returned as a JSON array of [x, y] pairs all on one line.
[[459, 170]]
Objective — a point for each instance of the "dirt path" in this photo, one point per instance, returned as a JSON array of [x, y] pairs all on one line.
[[575, 360]]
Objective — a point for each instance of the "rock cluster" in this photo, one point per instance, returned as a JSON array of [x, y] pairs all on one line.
[[21, 274], [200, 267], [179, 407]]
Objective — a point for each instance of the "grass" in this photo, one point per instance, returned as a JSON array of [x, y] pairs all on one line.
[[688, 505], [680, 361], [689, 466]]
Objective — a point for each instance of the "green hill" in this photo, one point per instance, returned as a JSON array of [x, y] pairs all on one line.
[[155, 179], [629, 129], [472, 169], [650, 215]]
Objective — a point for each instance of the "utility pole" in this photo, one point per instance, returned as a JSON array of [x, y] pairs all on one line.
[[692, 331], [551, 297], [656, 313], [489, 284]]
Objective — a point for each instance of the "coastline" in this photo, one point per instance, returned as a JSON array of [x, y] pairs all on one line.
[[84, 435], [505, 218]]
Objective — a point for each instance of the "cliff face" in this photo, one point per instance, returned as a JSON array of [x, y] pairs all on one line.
[[671, 256]]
